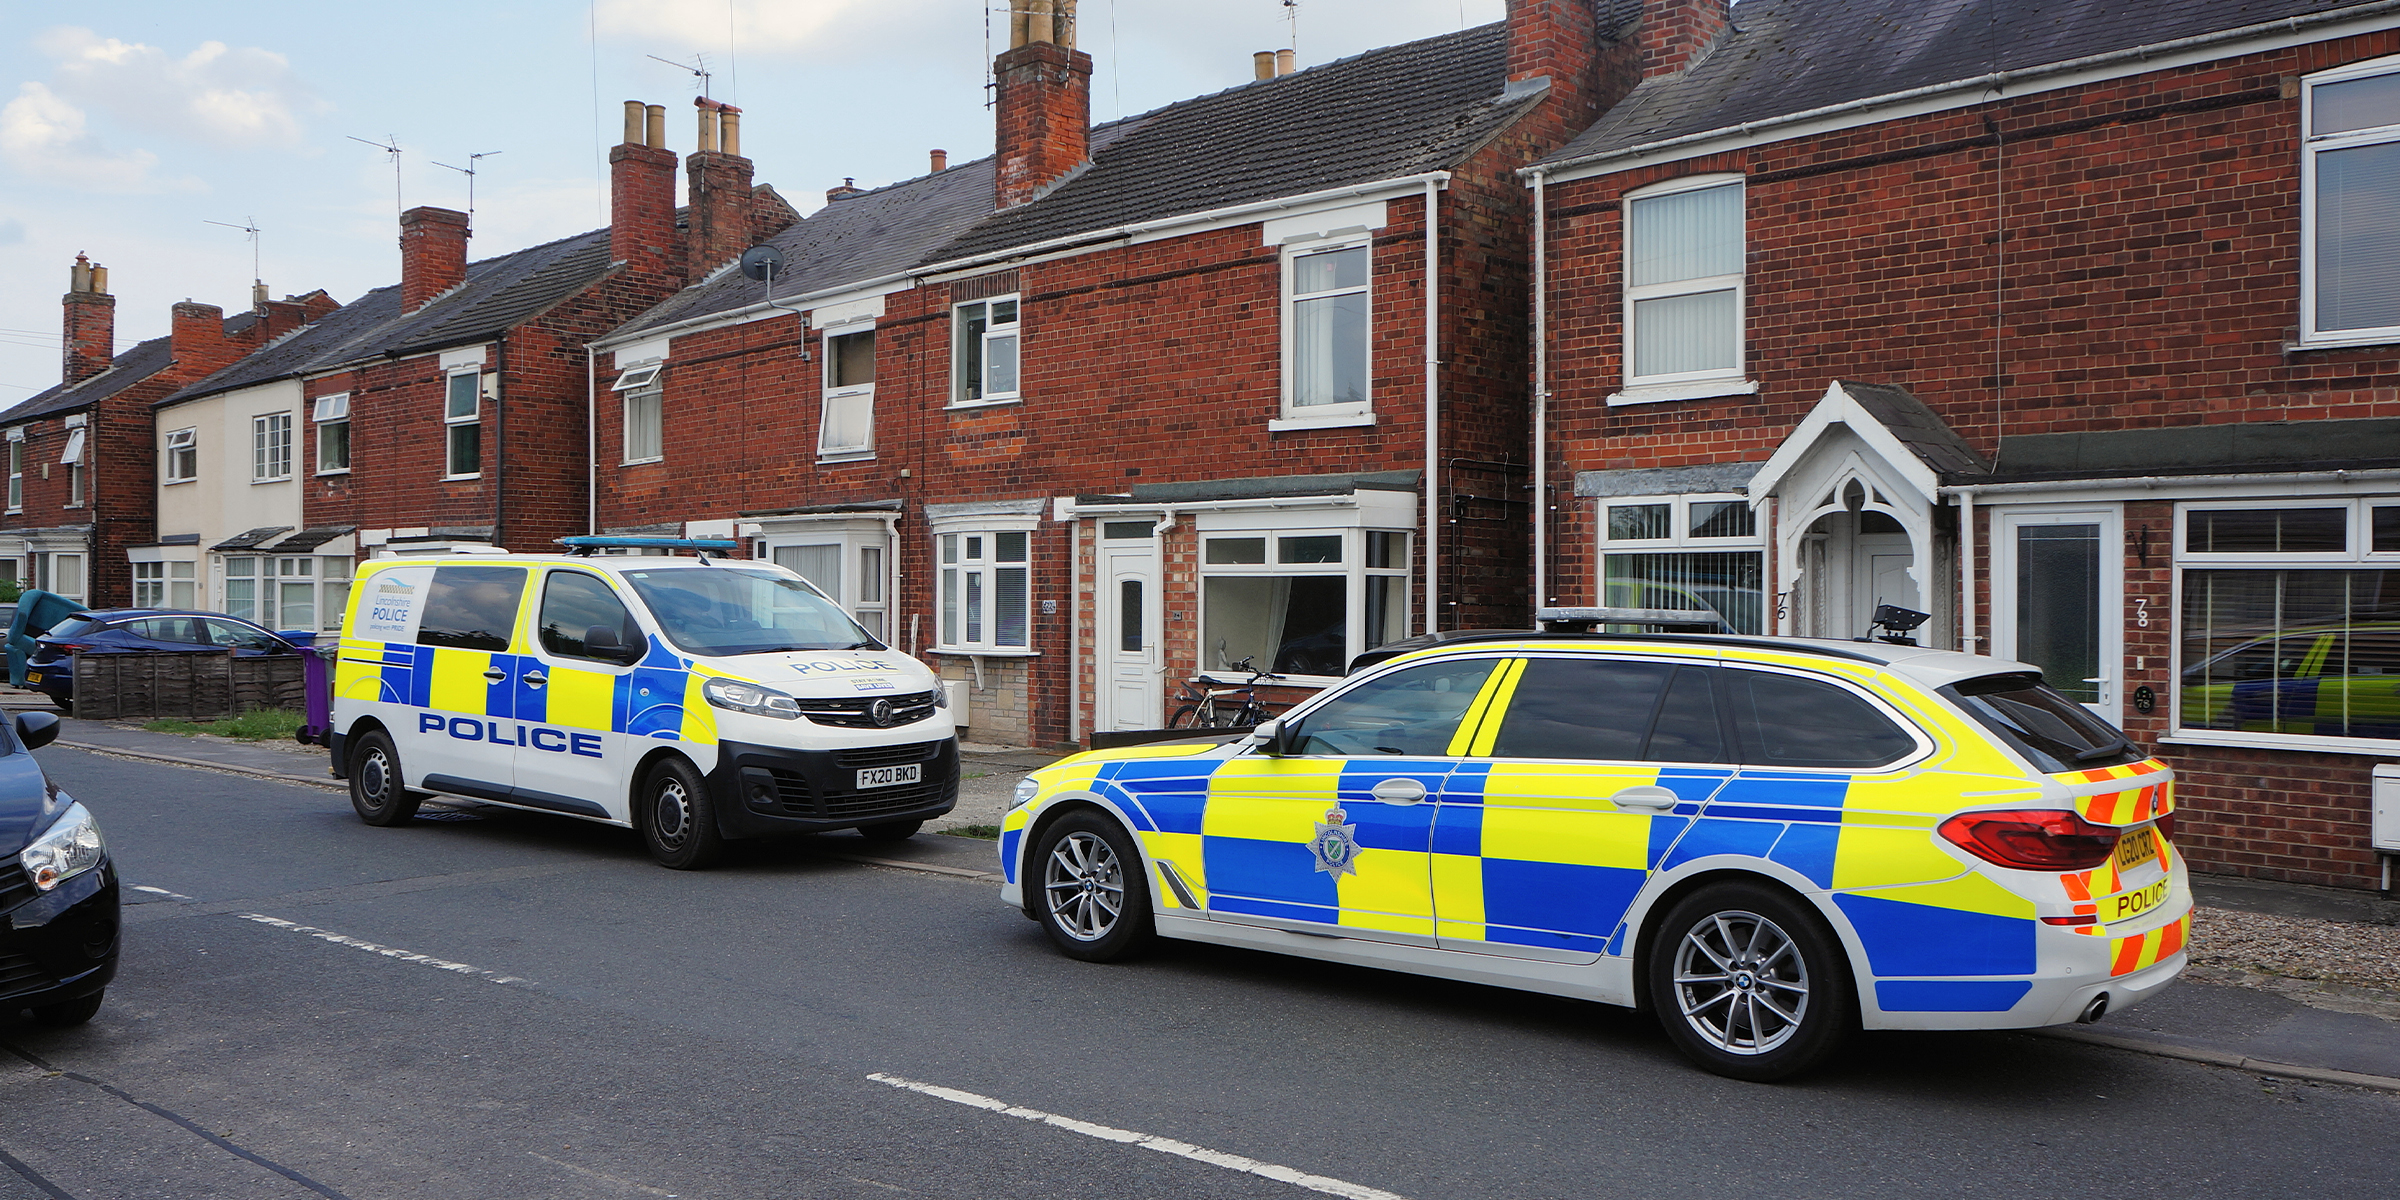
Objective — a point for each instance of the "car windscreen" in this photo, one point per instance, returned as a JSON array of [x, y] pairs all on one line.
[[729, 610], [2053, 731], [76, 626]]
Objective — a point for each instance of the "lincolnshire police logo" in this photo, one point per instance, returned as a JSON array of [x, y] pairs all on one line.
[[1336, 844]]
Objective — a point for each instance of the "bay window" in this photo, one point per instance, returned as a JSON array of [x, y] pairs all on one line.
[[1300, 602], [2350, 205], [1684, 552], [846, 560], [986, 590]]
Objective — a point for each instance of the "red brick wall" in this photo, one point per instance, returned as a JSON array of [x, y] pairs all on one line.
[[433, 254], [1043, 123]]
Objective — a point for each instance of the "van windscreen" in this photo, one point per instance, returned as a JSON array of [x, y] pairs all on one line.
[[2058, 734], [728, 610]]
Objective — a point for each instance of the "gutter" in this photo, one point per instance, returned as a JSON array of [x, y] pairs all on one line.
[[2155, 482], [1995, 81]]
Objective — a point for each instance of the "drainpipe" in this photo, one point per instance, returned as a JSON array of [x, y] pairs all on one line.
[[1541, 392], [1433, 409], [591, 440], [1158, 571], [499, 440], [1967, 641]]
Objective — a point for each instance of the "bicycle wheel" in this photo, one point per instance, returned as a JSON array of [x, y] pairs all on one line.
[[1186, 717]]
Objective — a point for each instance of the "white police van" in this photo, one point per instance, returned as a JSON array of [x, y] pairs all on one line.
[[696, 698]]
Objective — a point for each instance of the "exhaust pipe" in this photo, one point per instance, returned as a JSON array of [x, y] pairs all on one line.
[[2097, 1009]]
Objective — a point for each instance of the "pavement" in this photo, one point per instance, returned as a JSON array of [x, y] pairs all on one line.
[[2266, 1023]]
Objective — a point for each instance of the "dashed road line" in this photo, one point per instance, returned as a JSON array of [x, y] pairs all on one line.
[[1215, 1158], [159, 891], [406, 956]]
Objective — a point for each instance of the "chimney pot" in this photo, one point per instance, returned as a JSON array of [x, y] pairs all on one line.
[[941, 161], [708, 130], [258, 295], [633, 123], [1283, 62], [1262, 64], [1038, 25], [729, 129], [654, 127]]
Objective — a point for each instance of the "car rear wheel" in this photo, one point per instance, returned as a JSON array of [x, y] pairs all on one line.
[[1750, 984], [376, 790], [890, 831], [1094, 896], [678, 822], [70, 1012]]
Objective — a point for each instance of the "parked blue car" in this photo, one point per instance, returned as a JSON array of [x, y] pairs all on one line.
[[51, 670]]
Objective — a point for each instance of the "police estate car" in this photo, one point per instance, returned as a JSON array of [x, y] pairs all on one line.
[[1769, 842], [696, 699]]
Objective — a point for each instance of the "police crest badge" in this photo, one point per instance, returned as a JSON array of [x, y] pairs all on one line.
[[1336, 844]]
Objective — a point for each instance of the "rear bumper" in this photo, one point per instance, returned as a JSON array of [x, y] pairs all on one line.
[[61, 945], [2127, 965], [766, 791]]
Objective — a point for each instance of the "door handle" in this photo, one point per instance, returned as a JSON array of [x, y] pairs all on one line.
[[1398, 791], [496, 675], [1656, 799], [535, 678]]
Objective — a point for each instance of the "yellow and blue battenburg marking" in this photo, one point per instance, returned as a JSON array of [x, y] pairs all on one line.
[[656, 699]]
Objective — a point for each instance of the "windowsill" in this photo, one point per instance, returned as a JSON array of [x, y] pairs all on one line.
[[2232, 739], [1008, 653], [2377, 337], [846, 456], [970, 405], [1666, 393], [1242, 679], [458, 478], [1328, 421], [333, 471], [639, 462], [173, 482], [274, 479]]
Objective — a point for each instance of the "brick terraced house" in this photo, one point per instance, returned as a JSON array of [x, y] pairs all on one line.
[[1240, 378], [2074, 325]]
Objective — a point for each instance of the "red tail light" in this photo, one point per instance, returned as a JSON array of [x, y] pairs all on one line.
[[2032, 839], [2166, 826]]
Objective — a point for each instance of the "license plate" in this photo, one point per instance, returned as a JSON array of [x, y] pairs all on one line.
[[33, 676], [2136, 846], [876, 777]]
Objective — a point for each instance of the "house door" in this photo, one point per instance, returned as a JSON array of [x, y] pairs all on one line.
[[1129, 661], [1879, 575], [2055, 588]]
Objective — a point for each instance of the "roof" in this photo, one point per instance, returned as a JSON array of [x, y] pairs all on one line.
[[251, 539], [1792, 56], [124, 371], [324, 340], [1917, 427], [2228, 449]]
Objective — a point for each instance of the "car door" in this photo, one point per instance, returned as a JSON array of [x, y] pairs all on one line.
[[242, 639], [1337, 834], [466, 733], [1585, 773], [572, 701]]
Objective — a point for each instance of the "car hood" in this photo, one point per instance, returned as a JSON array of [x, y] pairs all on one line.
[[28, 804], [842, 674]]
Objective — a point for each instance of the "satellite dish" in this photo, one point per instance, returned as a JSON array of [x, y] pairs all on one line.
[[762, 262]]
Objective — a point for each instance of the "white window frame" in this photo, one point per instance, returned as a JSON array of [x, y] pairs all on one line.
[[1684, 385], [452, 422], [2311, 147], [958, 346], [641, 382], [867, 555], [1305, 415], [46, 574], [1353, 569], [952, 574], [182, 448], [325, 413], [1679, 539], [857, 394], [2359, 554], [16, 469], [264, 449], [150, 585]]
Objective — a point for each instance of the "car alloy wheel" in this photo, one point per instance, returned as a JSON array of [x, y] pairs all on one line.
[[1749, 982], [1741, 983], [1084, 885], [1092, 896]]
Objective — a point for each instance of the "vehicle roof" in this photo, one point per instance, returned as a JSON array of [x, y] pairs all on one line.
[[598, 562], [1932, 668], [120, 614]]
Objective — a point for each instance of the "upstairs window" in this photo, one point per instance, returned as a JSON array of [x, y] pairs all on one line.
[[182, 456], [1684, 289], [1326, 316], [2350, 205], [462, 415], [271, 448], [847, 429], [645, 414], [16, 469], [332, 417], [72, 460], [987, 351]]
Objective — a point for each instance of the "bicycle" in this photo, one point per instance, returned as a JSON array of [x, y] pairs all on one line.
[[1207, 708]]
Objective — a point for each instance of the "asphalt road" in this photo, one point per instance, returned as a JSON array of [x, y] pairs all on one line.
[[523, 1007]]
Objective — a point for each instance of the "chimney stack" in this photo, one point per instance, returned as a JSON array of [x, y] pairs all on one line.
[[433, 254], [641, 195], [91, 322], [198, 340], [1675, 33], [1044, 114], [719, 180], [941, 161], [848, 189], [1559, 42]]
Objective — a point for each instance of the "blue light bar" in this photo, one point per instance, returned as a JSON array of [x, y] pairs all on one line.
[[581, 546]]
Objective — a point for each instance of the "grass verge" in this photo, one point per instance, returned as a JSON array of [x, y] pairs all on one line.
[[989, 833], [264, 725]]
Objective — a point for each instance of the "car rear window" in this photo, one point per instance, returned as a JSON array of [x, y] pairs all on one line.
[[2043, 725], [76, 626], [1788, 721]]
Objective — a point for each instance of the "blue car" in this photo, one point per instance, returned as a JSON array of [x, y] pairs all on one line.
[[58, 888], [51, 670]]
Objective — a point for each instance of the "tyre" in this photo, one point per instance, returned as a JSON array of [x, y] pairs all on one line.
[[678, 822], [376, 790], [1187, 717], [69, 1012], [890, 831], [1749, 983], [1093, 895]]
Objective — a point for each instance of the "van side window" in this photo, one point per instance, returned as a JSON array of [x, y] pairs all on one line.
[[471, 608], [1414, 711], [1788, 721], [1582, 708], [573, 602]]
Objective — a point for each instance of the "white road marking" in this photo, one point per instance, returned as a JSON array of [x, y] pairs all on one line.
[[157, 891], [1214, 1158], [407, 956], [587, 1172]]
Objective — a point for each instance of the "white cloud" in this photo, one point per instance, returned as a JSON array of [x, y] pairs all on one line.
[[760, 25], [235, 98], [45, 137]]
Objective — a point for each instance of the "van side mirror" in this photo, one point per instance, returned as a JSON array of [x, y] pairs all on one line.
[[36, 729], [602, 642]]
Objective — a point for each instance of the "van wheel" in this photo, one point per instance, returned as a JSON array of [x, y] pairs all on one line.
[[375, 782], [1749, 984], [891, 831], [678, 822], [1094, 897]]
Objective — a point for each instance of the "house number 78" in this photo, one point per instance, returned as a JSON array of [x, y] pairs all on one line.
[[2141, 613]]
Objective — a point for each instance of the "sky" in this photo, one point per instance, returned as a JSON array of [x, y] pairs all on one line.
[[126, 128]]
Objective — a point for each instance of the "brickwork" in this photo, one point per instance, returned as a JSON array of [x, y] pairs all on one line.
[[719, 226], [91, 324], [1043, 116], [1674, 33], [433, 254]]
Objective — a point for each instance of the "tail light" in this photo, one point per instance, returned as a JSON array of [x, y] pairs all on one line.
[[2166, 826], [2043, 839]]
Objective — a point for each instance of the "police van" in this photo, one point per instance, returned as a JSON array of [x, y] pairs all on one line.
[[695, 698]]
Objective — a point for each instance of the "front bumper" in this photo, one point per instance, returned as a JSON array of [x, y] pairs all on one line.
[[766, 791], [58, 945]]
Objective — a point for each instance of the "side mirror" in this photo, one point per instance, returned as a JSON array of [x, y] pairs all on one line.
[[601, 641], [36, 729], [1270, 737]]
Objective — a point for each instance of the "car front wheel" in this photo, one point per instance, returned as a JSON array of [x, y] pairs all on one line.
[[1094, 895], [1750, 984], [376, 790], [678, 822]]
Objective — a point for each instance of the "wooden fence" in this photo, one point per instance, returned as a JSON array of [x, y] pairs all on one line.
[[200, 685]]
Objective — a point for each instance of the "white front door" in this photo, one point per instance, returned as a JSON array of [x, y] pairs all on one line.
[[1129, 660], [2057, 586], [1878, 575]]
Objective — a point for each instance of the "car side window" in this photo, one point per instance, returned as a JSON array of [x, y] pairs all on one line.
[[573, 602], [181, 630], [1688, 728], [472, 608], [1790, 721], [1414, 711], [240, 637], [1582, 708]]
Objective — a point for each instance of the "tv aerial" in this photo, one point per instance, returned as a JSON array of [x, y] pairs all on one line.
[[473, 161], [698, 67], [389, 145], [249, 226]]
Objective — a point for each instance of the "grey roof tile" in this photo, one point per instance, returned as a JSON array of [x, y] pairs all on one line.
[[326, 339], [125, 370], [1925, 434]]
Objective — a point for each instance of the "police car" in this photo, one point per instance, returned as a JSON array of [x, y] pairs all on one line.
[[694, 698], [1768, 842]]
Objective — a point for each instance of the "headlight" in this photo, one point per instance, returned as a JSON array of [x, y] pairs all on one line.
[[941, 695], [750, 698], [1027, 789], [71, 847]]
